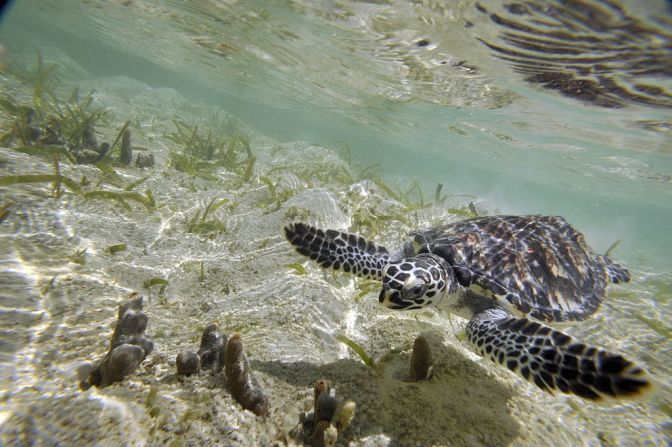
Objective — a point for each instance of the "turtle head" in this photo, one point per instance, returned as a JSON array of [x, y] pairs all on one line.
[[416, 282]]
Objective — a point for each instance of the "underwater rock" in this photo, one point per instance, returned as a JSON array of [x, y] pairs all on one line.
[[131, 325], [126, 156], [144, 160], [306, 424], [91, 156], [345, 412], [324, 435], [421, 360], [121, 362], [86, 156], [211, 353], [330, 416], [321, 385], [242, 383], [330, 436], [83, 370], [188, 363], [89, 137], [213, 348], [325, 407], [128, 348], [308, 421]]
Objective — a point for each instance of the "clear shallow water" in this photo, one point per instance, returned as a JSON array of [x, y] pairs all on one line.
[[449, 111], [408, 86]]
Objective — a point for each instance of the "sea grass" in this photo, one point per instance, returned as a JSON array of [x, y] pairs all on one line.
[[116, 248], [122, 197], [368, 361], [4, 211], [119, 135], [155, 281], [40, 178], [298, 268], [133, 185], [46, 151]]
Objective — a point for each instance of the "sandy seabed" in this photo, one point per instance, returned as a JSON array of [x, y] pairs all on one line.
[[59, 311]]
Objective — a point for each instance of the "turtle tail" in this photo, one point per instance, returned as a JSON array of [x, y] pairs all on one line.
[[555, 361], [338, 250]]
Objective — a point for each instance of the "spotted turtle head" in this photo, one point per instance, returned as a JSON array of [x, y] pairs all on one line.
[[417, 282]]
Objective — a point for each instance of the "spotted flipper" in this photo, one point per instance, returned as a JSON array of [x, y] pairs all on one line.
[[338, 250], [554, 361]]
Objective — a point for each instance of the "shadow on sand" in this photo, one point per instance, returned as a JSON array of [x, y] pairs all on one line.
[[461, 405]]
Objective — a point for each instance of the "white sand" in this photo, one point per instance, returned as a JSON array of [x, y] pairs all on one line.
[[288, 322]]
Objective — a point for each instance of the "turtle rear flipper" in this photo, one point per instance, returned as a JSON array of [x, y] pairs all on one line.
[[555, 361], [617, 273], [338, 250]]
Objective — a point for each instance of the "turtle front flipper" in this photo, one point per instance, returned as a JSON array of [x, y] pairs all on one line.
[[338, 250], [555, 361]]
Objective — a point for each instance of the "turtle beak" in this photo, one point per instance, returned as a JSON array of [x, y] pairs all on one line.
[[391, 298]]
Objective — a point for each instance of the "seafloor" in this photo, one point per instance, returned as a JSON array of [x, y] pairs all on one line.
[[61, 286]]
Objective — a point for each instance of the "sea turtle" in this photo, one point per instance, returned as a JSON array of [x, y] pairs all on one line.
[[506, 275]]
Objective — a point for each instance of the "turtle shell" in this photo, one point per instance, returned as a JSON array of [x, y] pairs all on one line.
[[538, 264]]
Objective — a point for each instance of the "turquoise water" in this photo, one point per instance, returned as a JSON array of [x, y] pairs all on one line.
[[439, 92], [353, 74]]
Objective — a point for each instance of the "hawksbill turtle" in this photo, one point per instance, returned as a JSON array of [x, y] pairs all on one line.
[[508, 275]]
